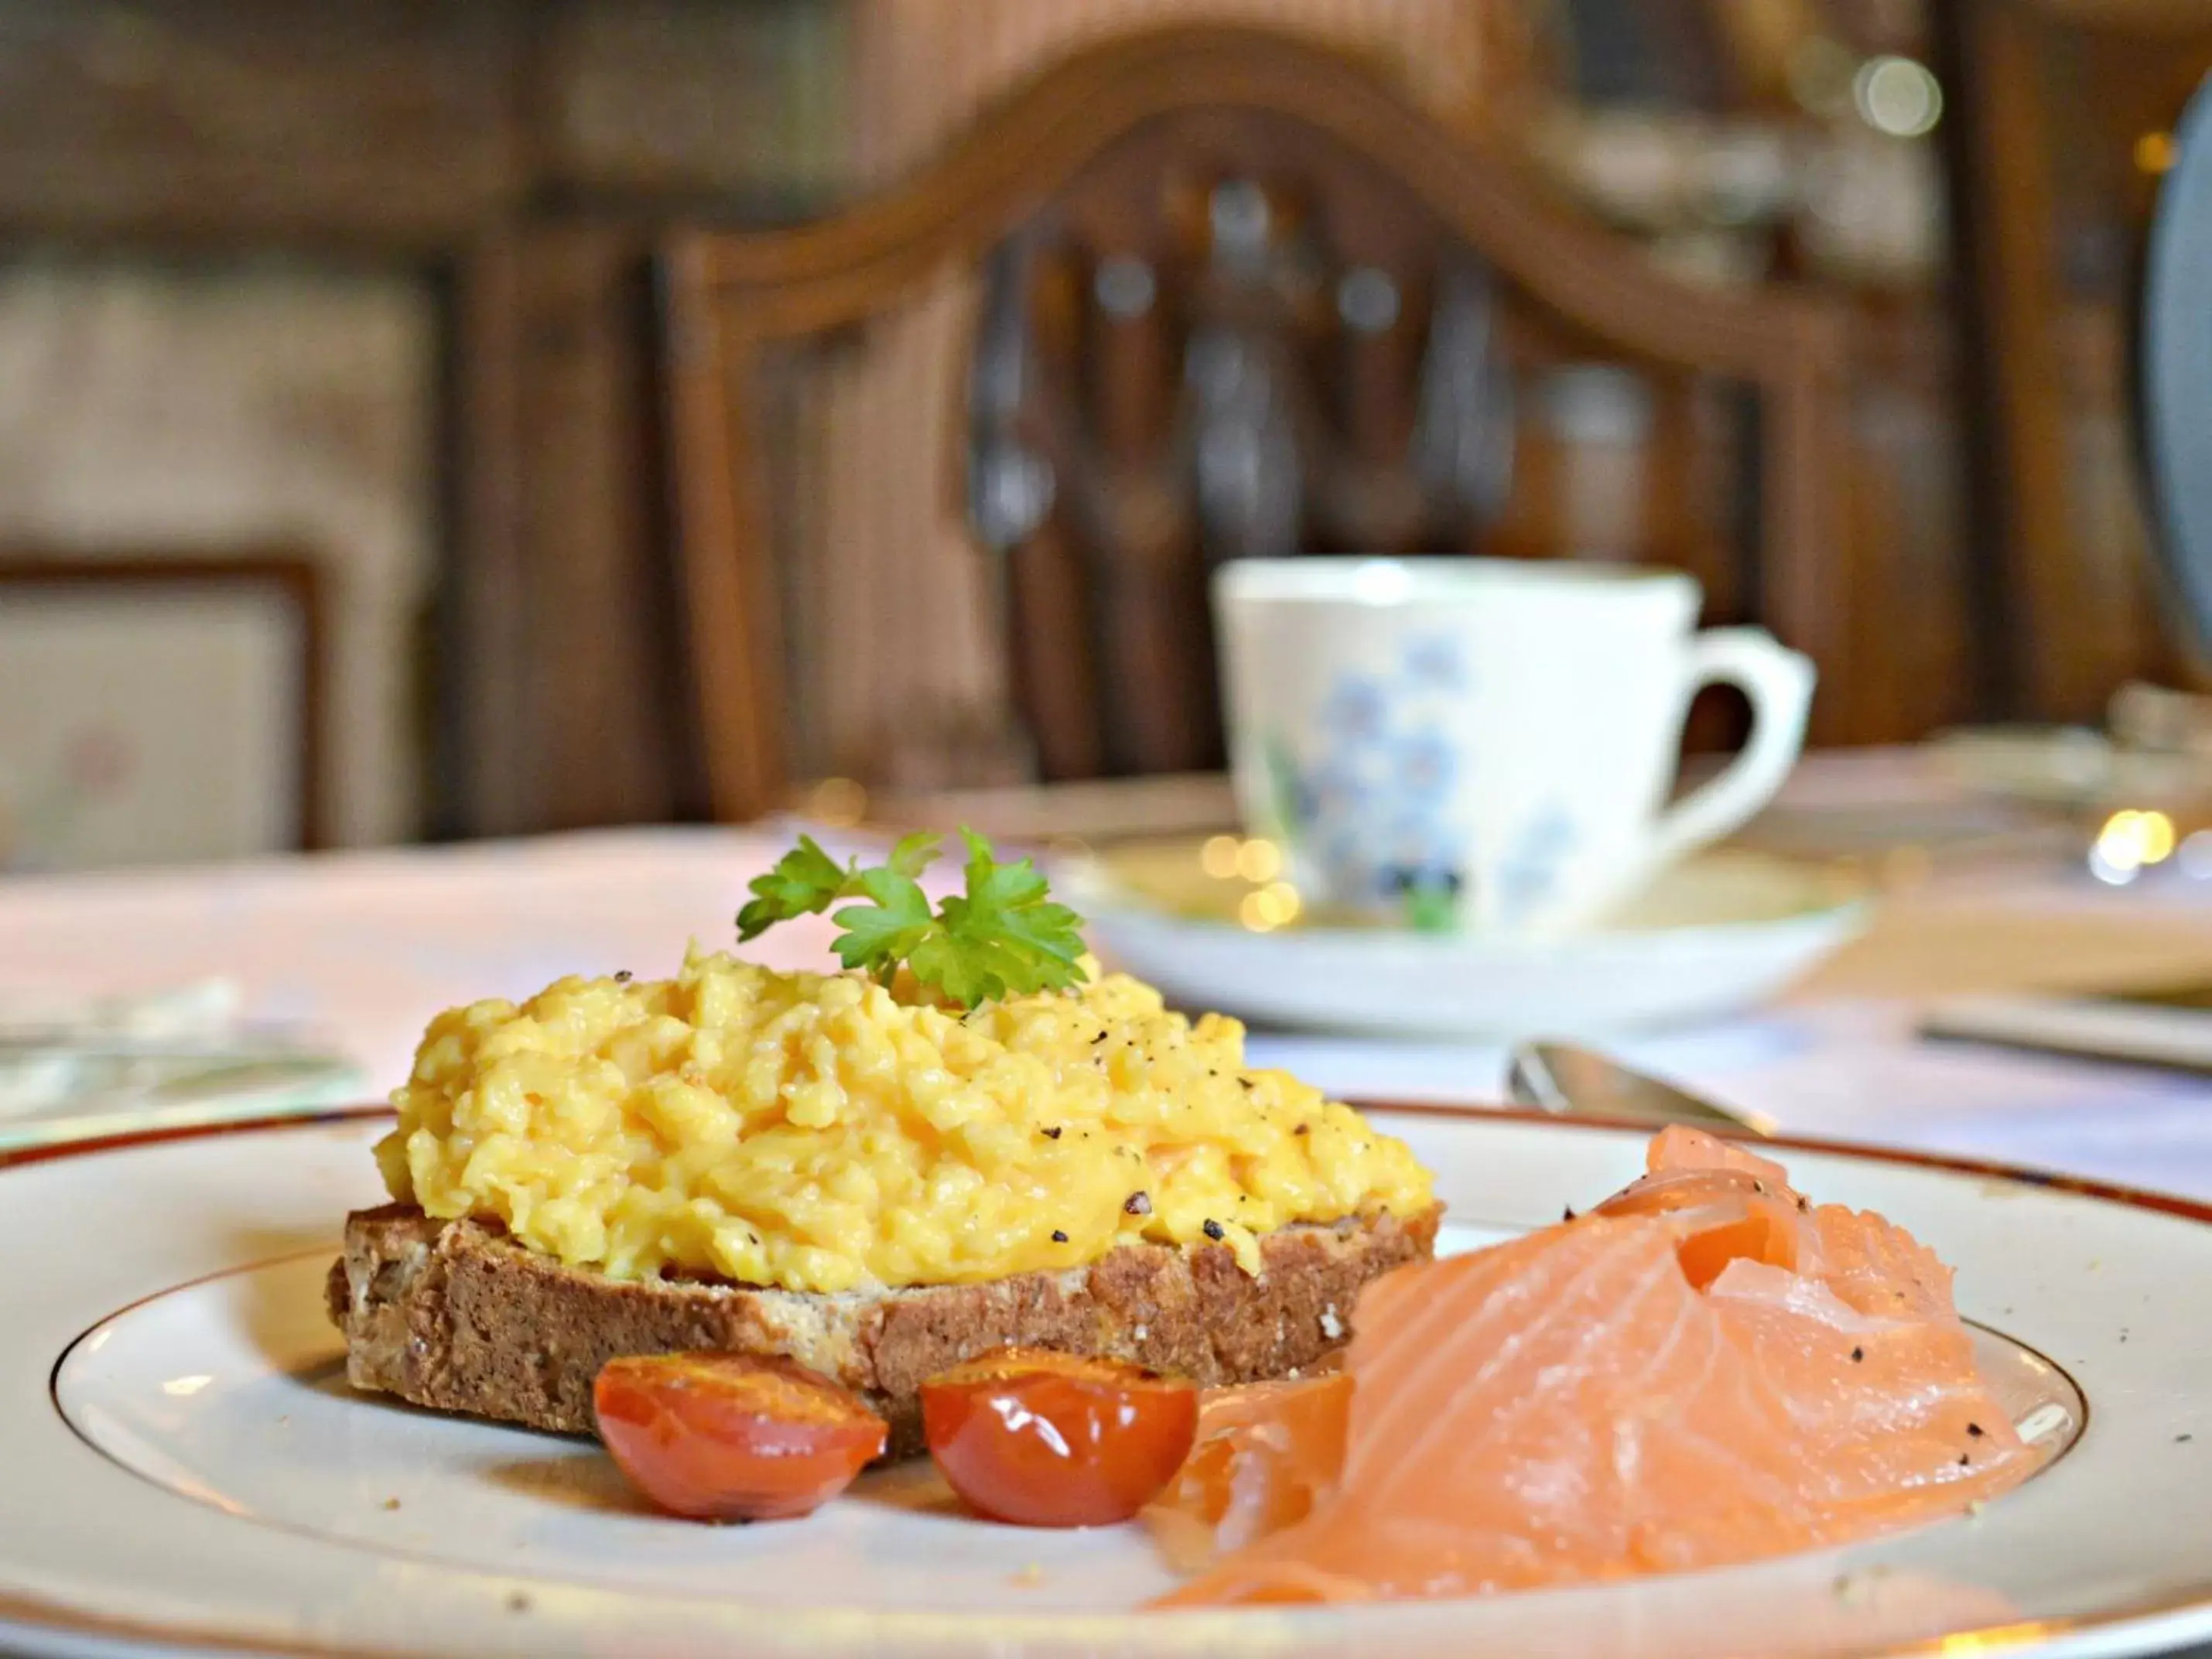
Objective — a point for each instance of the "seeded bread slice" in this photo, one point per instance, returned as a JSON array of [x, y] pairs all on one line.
[[455, 1315]]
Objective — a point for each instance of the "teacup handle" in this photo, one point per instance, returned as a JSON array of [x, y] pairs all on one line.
[[1779, 682]]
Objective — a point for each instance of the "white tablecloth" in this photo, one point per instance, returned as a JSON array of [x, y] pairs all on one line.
[[365, 948]]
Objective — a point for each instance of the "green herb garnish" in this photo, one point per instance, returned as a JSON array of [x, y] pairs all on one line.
[[1003, 938]]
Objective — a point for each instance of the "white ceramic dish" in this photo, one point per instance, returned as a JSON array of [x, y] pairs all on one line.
[[1713, 936], [75, 1068], [2070, 767], [185, 1471], [67, 1097]]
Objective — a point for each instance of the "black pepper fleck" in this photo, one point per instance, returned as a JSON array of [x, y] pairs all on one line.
[[1975, 1430], [1246, 1081], [1302, 1128], [1759, 1186], [1138, 1203], [1052, 1133], [1213, 1231], [1964, 1460], [622, 977], [1858, 1354], [1568, 1214], [1804, 1204], [1057, 1237], [2183, 1439], [1101, 1037]]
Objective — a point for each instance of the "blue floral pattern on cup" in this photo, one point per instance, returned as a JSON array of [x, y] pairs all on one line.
[[1434, 664], [1425, 765], [1357, 710], [1528, 873], [1387, 758]]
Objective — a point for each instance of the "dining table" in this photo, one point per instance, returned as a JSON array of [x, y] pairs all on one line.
[[356, 951]]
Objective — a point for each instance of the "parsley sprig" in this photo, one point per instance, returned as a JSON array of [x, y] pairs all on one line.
[[1003, 938]]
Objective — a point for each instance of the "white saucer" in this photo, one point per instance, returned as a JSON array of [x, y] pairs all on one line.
[[185, 1471], [1712, 937]]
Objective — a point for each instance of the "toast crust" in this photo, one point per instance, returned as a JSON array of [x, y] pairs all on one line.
[[455, 1315]]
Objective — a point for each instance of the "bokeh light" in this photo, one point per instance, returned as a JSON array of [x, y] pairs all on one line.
[[2130, 843]]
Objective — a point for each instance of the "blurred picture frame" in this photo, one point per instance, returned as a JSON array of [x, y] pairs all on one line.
[[158, 709]]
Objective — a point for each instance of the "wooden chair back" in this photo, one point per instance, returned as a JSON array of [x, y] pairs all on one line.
[[1238, 295]]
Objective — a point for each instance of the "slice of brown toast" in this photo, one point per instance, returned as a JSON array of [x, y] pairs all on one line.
[[454, 1315]]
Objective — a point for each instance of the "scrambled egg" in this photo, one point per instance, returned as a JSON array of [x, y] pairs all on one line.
[[823, 1133]]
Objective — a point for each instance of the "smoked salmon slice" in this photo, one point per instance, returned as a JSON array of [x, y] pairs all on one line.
[[1263, 1454], [1706, 1369]]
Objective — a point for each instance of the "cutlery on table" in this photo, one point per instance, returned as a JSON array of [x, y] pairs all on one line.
[[1571, 1082]]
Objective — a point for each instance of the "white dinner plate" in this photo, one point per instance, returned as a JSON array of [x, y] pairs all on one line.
[[183, 1466], [1711, 936]]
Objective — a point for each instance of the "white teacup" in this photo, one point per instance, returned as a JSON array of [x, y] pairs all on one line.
[[1486, 744]]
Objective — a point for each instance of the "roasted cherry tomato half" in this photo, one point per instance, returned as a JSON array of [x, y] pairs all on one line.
[[1046, 1439], [726, 1437], [1265, 1452]]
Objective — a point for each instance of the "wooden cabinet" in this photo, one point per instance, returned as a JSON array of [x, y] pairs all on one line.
[[377, 124], [2064, 110]]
